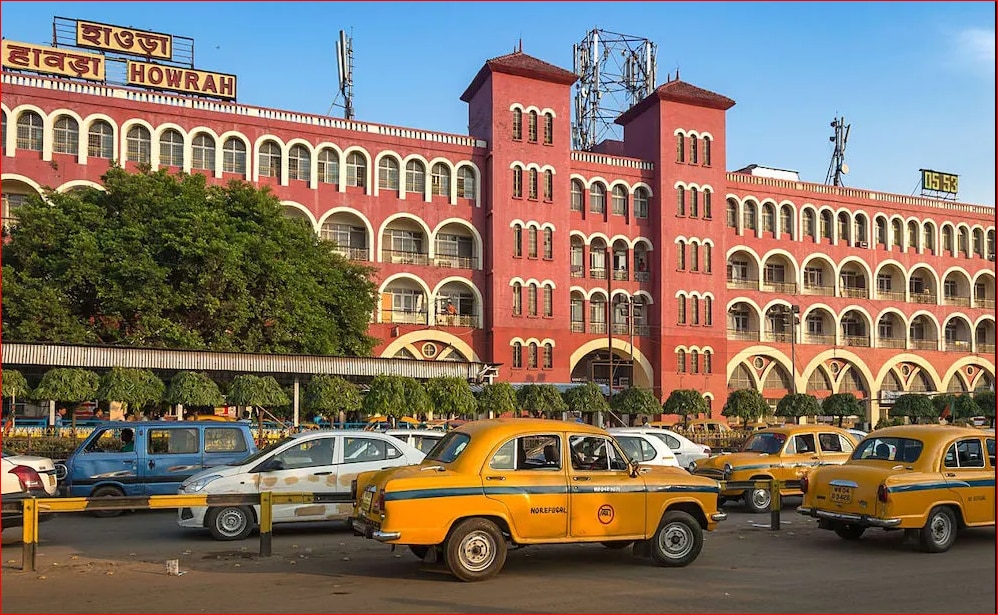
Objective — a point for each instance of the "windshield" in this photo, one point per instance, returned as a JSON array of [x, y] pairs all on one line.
[[771, 443], [449, 447], [263, 452], [904, 450]]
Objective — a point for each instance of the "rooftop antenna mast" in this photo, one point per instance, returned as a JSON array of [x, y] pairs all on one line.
[[616, 71], [838, 166], [344, 69]]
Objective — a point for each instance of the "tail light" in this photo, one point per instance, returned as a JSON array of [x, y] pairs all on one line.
[[381, 501], [28, 477], [882, 493], [803, 484]]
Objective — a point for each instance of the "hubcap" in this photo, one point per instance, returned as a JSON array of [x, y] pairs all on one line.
[[675, 540], [761, 498], [940, 528], [477, 551], [231, 521]]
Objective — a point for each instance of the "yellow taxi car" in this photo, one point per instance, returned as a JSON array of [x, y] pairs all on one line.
[[929, 480], [784, 453], [512, 482]]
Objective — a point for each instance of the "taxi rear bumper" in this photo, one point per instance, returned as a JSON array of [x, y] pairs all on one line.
[[368, 529], [864, 520]]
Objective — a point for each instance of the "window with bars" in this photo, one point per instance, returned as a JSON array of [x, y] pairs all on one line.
[[681, 309], [356, 170], [548, 301], [517, 124], [100, 140], [681, 361], [30, 131], [66, 136], [706, 151], [548, 356], [328, 167], [3, 127], [517, 240], [707, 258], [768, 217], [300, 163], [681, 255], [732, 214], [548, 244], [680, 201], [203, 153], [748, 216], [517, 183], [402, 240], [597, 311], [388, 174], [532, 184], [548, 129], [440, 180], [138, 145], [532, 300], [694, 362], [695, 309], [708, 312], [694, 202], [415, 177], [680, 148], [548, 186], [577, 195], [707, 214], [270, 160], [532, 356], [11, 203], [694, 256], [532, 127], [707, 367], [517, 354], [694, 149], [619, 198], [171, 149], [531, 242], [465, 182], [640, 203], [234, 156], [517, 299], [597, 198], [786, 221]]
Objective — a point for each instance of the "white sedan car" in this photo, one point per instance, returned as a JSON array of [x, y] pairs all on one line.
[[644, 448], [685, 450], [319, 462], [42, 465], [423, 439]]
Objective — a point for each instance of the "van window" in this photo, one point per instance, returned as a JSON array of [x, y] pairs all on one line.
[[173, 441], [224, 440], [108, 441]]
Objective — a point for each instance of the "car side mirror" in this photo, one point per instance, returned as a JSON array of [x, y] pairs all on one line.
[[272, 465], [632, 468]]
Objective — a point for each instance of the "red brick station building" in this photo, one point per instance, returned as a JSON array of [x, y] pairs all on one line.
[[505, 245]]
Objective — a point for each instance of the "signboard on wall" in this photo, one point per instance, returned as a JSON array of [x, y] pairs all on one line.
[[187, 80], [53, 61], [129, 41]]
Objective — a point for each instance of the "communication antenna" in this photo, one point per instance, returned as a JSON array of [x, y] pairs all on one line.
[[616, 71], [838, 166], [344, 71]]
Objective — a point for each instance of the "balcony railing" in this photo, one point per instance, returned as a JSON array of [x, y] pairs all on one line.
[[750, 283], [455, 262], [352, 253], [620, 328], [597, 327], [964, 301], [399, 257], [817, 338], [985, 303], [888, 295], [457, 320], [403, 317], [597, 273], [578, 271], [645, 276], [890, 342], [958, 346], [856, 340], [620, 275], [854, 291], [782, 337], [924, 344], [983, 348], [923, 297], [645, 331], [789, 288], [827, 291], [744, 334], [578, 326]]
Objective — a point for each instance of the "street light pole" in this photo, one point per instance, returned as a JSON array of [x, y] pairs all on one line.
[[794, 321]]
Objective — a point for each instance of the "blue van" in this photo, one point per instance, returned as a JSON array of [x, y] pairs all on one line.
[[151, 457]]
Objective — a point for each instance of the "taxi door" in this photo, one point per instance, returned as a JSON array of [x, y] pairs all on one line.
[[799, 457], [834, 448], [965, 468], [605, 500], [527, 474]]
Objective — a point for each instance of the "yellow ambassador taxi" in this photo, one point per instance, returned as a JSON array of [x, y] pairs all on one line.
[[512, 482], [930, 480], [783, 453]]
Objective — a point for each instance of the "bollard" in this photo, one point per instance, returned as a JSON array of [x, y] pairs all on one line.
[[266, 524], [774, 505], [29, 534]]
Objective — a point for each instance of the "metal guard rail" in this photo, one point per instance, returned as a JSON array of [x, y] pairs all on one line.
[[31, 508]]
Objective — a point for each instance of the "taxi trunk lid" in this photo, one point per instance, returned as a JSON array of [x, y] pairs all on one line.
[[850, 488]]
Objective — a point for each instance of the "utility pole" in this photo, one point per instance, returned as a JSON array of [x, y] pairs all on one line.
[[609, 313]]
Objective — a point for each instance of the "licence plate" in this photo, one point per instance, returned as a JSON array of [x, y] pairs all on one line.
[[841, 495], [365, 501]]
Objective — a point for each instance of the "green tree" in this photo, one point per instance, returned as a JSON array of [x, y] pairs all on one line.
[[331, 395], [586, 398], [541, 398], [451, 395], [944, 402], [795, 405], [134, 387], [914, 406], [385, 397], [965, 407], [256, 392], [497, 398], [14, 386], [986, 402], [67, 384], [746, 404], [841, 405], [635, 400], [194, 390], [167, 261], [685, 402]]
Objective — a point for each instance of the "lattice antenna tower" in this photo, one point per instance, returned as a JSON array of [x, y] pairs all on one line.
[[838, 167], [615, 71], [344, 71]]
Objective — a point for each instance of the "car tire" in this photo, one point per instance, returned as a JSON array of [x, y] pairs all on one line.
[[677, 541], [107, 491], [475, 550], [758, 500], [617, 544], [849, 531], [229, 522], [939, 532]]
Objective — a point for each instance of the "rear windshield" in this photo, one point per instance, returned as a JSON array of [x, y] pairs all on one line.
[[771, 443], [904, 450], [449, 447]]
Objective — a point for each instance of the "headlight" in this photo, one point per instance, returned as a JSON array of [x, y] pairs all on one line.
[[727, 471], [197, 485]]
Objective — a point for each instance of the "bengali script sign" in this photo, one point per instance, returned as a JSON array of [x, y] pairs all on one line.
[[25, 56], [124, 40], [219, 85]]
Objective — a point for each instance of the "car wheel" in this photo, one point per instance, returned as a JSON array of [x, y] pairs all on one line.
[[107, 491], [849, 531], [678, 540], [617, 544], [475, 550], [758, 500], [939, 532], [230, 522]]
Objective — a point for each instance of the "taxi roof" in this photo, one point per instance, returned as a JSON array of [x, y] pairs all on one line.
[[926, 432], [487, 434], [795, 429]]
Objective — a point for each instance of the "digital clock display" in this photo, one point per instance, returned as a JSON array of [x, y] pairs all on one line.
[[939, 181]]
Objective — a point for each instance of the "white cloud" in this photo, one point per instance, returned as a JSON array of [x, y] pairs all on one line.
[[977, 46]]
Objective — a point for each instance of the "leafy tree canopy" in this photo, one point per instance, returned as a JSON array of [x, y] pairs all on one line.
[[327, 393], [586, 398], [250, 390], [67, 384], [166, 261], [914, 406], [543, 398], [986, 402], [746, 404], [14, 383], [389, 396], [798, 404], [635, 400], [498, 397], [685, 402], [965, 407], [135, 387], [842, 405], [193, 390], [451, 395]]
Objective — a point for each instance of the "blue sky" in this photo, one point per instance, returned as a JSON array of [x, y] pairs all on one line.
[[915, 80]]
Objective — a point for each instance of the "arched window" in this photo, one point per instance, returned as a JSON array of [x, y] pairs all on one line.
[[100, 140], [465, 182], [66, 136], [532, 184], [356, 170], [203, 152], [898, 232], [517, 354], [440, 180], [810, 228], [843, 227], [517, 240], [548, 186], [138, 145], [706, 258], [3, 126], [826, 224], [694, 361], [328, 167], [680, 201], [597, 198], [769, 218], [300, 163], [577, 195], [640, 203], [532, 356], [517, 183], [706, 204], [694, 149], [388, 174], [681, 361], [681, 255], [694, 203], [171, 149], [548, 356], [681, 309], [708, 315], [694, 256], [234, 156], [548, 244], [548, 301], [882, 232], [963, 241], [706, 151], [732, 211], [517, 124], [680, 148], [415, 177], [517, 299], [548, 129], [30, 131], [706, 362], [786, 221], [619, 198], [532, 127], [948, 239], [748, 216], [913, 235], [270, 160], [928, 238], [532, 242], [532, 300]]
